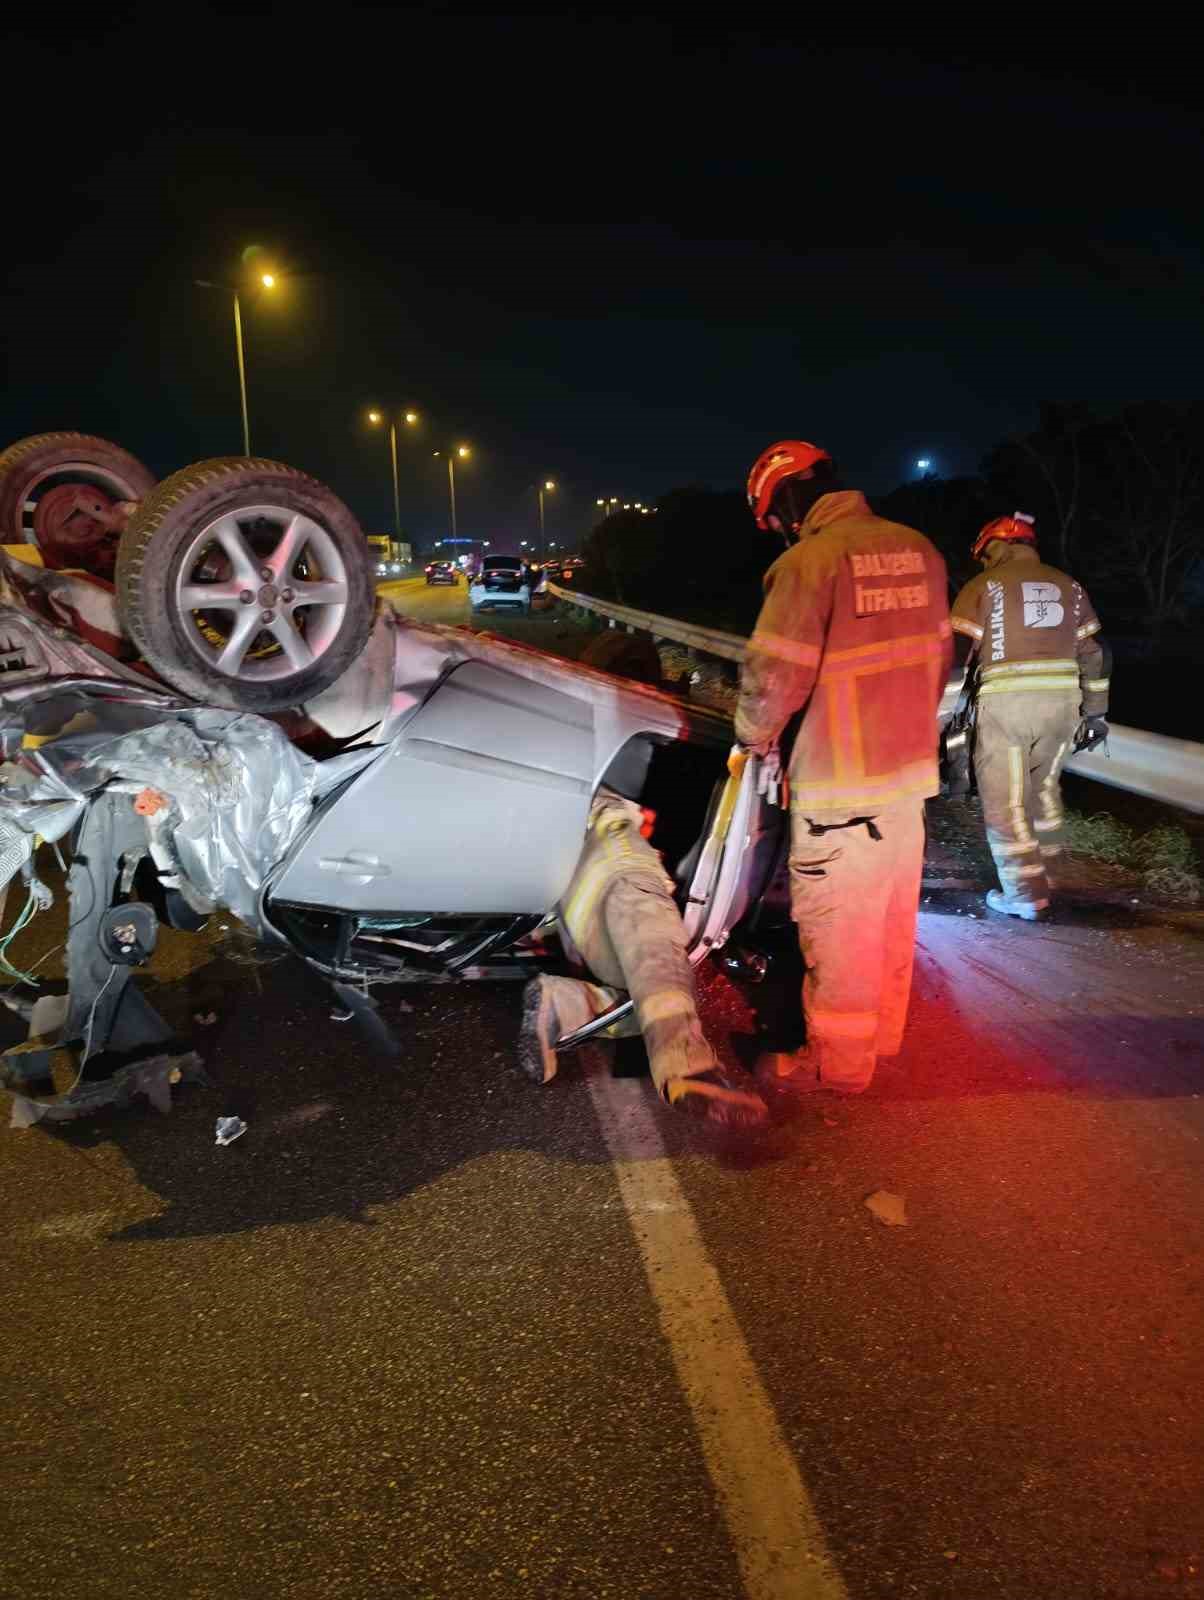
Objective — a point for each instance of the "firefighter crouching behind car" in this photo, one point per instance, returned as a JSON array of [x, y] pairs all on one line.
[[854, 632], [1042, 674], [619, 922]]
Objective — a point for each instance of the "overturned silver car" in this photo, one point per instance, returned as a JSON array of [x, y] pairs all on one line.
[[352, 857]]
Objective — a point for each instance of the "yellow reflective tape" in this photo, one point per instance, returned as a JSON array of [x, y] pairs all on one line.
[[1043, 827], [1010, 669], [665, 1004], [836, 795], [1016, 793], [926, 642], [35, 741], [777, 644], [844, 1024], [1096, 685], [1028, 686], [1051, 794], [1009, 847]]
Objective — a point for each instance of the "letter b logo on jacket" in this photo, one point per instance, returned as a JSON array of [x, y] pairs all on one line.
[[1042, 605]]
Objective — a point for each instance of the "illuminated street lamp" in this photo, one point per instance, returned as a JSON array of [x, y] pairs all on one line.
[[545, 486], [266, 280], [463, 452], [376, 418]]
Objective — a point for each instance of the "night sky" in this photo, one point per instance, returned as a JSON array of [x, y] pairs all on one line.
[[626, 255]]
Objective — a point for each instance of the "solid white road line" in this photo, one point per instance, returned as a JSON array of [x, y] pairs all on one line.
[[773, 1526]]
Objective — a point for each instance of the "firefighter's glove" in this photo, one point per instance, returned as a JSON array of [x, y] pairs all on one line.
[[955, 758], [769, 777], [1092, 731], [737, 760]]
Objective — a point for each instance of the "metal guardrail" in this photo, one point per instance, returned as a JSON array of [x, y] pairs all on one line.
[[1151, 764], [710, 641], [1171, 770]]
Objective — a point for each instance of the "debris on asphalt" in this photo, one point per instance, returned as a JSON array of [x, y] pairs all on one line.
[[888, 1208], [153, 1076], [229, 1129]]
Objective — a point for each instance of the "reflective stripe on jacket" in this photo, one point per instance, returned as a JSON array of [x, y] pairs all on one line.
[[1035, 628], [854, 627]]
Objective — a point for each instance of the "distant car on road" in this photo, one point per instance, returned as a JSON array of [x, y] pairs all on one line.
[[501, 581], [442, 572], [389, 569]]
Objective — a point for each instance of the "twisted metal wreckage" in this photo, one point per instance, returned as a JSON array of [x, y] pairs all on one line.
[[211, 798], [220, 810]]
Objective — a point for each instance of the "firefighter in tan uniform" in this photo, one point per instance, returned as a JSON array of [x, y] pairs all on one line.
[[618, 922], [1042, 689], [853, 632]]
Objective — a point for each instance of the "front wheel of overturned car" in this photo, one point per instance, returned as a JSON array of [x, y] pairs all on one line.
[[246, 584]]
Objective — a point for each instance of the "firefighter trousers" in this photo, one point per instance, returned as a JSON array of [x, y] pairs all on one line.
[[623, 924], [1023, 738], [854, 898]]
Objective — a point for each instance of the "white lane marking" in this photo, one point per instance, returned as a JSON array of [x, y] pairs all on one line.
[[777, 1537]]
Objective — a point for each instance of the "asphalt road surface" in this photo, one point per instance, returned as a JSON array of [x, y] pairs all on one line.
[[436, 1332]]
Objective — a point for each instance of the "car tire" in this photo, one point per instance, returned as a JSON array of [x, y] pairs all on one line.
[[50, 457], [275, 524]]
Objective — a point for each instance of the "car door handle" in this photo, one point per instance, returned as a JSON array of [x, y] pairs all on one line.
[[359, 864]]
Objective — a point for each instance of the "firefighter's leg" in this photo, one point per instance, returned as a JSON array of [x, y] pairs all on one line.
[[644, 929], [1002, 758], [553, 1007], [840, 888], [902, 829], [1056, 719], [629, 933]]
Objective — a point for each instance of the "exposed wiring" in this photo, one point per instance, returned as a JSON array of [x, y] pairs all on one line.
[[83, 1060], [24, 917]]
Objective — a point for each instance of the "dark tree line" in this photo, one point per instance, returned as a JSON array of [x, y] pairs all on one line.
[[1119, 502]]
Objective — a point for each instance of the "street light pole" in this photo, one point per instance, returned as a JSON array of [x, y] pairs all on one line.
[[543, 543], [268, 280], [396, 494], [462, 451], [376, 418]]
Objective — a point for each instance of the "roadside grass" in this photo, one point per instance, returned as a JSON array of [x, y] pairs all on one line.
[[1164, 856]]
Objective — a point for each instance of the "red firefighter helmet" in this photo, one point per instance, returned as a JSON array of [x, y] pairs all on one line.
[[786, 459], [1017, 529]]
